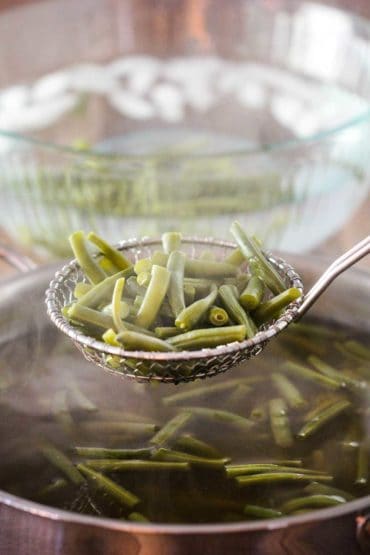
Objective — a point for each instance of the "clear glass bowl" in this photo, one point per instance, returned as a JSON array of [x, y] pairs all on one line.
[[142, 117]]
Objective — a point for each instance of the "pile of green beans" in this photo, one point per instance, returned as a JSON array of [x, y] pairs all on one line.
[[171, 302]]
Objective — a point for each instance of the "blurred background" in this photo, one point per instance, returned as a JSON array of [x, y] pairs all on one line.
[[132, 117]]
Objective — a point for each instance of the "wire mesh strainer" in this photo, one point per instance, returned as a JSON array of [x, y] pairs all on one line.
[[186, 365]]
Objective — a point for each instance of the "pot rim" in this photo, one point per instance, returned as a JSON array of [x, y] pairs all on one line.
[[68, 517]]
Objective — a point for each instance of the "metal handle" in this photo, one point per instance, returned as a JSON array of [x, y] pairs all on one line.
[[348, 259], [18, 261], [363, 532]]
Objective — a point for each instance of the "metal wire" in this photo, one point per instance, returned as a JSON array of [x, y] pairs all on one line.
[[172, 367]]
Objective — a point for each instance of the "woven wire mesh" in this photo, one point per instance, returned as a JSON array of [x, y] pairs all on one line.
[[173, 367]]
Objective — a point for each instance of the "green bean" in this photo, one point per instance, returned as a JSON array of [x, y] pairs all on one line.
[[189, 317], [143, 279], [103, 453], [253, 293], [81, 288], [137, 517], [85, 315], [143, 265], [358, 349], [135, 429], [111, 465], [288, 390], [322, 418], [319, 501], [250, 249], [107, 266], [202, 286], [137, 329], [239, 394], [217, 316], [133, 289], [236, 257], [154, 296], [260, 412], [134, 341], [79, 399], [54, 487], [302, 371], [328, 370], [62, 463], [116, 304], [169, 455], [159, 258], [208, 269], [317, 331], [194, 446], [176, 265], [116, 491], [123, 307], [171, 428], [171, 241], [102, 292], [277, 477], [314, 488], [272, 308], [256, 511], [201, 391], [110, 252], [222, 416], [279, 422], [233, 470], [301, 343], [235, 310], [164, 332], [208, 337], [189, 294], [88, 265], [362, 474]]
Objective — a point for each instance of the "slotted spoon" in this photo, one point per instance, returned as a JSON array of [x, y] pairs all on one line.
[[187, 365]]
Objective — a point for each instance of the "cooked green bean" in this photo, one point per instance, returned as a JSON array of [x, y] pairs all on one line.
[[189, 293], [143, 265], [143, 279], [314, 488], [101, 293], [107, 266], [235, 310], [278, 477], [171, 241], [85, 315], [164, 332], [253, 293], [358, 349], [279, 421], [217, 316], [328, 370], [137, 517], [189, 317], [256, 511], [123, 308], [81, 288], [62, 463], [154, 296], [233, 470], [159, 258], [169, 455], [110, 252], [195, 446], [175, 294], [133, 289], [222, 416], [251, 249], [202, 286], [111, 465], [322, 418], [311, 346], [208, 337], [272, 308], [88, 265], [171, 429], [301, 371], [104, 453], [239, 394], [236, 257], [53, 487], [201, 391], [260, 412], [116, 304], [288, 390], [134, 341], [116, 491], [362, 474], [208, 269], [312, 502]]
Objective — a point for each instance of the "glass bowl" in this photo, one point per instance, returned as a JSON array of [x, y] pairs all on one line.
[[142, 117]]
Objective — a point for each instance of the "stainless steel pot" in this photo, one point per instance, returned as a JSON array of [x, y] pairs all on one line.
[[29, 528]]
